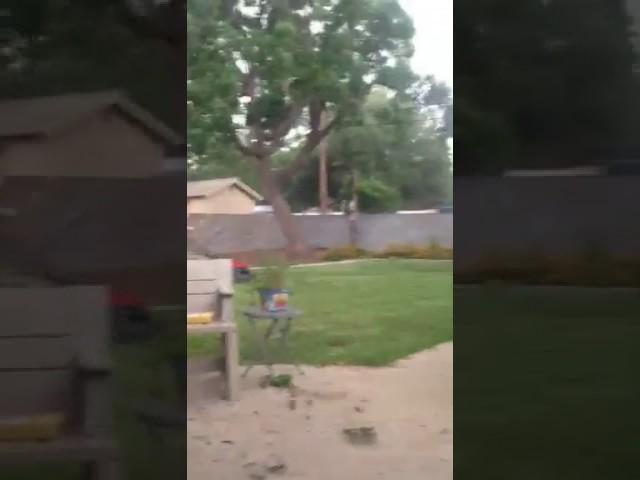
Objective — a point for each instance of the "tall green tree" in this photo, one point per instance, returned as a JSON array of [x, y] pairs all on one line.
[[51, 47], [398, 149], [540, 83], [263, 72]]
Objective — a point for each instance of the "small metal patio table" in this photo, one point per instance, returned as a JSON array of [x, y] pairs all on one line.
[[279, 326]]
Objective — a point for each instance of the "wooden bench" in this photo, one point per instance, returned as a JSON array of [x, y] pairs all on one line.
[[210, 289], [55, 358]]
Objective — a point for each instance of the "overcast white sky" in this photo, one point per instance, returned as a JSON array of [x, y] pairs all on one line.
[[433, 20]]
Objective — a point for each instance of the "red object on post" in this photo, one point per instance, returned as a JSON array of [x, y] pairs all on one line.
[[238, 265], [123, 299]]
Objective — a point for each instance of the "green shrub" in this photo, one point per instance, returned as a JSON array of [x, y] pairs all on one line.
[[344, 253], [586, 270], [375, 196], [272, 276], [432, 251], [398, 251], [435, 251]]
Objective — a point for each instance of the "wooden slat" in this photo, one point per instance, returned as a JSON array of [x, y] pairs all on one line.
[[220, 269], [98, 404], [91, 325], [79, 449], [45, 328], [33, 311], [225, 309], [199, 287], [35, 353], [200, 304], [214, 327], [34, 392]]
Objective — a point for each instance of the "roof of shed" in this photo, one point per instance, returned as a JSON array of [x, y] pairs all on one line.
[[207, 188], [44, 116]]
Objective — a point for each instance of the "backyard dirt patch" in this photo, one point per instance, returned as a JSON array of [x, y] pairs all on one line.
[[348, 422]]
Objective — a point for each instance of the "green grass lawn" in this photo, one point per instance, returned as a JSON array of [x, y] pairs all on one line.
[[369, 313], [364, 314], [544, 383]]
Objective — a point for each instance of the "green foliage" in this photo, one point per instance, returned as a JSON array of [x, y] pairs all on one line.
[[391, 142], [588, 269], [281, 381], [433, 251], [528, 89], [249, 67], [51, 47], [350, 58], [375, 196], [367, 313], [272, 275], [344, 253], [578, 347]]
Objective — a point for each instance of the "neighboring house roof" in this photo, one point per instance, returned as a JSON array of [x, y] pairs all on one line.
[[45, 116], [208, 188]]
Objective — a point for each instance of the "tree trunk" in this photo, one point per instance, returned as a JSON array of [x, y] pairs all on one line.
[[323, 174], [296, 247]]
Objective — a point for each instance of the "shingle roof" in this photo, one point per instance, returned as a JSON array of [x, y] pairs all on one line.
[[206, 188], [37, 116]]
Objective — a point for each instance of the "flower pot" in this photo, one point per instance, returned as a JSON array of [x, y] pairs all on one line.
[[274, 299]]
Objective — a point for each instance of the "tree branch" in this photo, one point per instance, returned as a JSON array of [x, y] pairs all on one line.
[[313, 140], [245, 149], [282, 130], [164, 21], [249, 83]]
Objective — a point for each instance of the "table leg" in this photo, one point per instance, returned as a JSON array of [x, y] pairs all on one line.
[[265, 346], [250, 362], [262, 344], [285, 341], [231, 365]]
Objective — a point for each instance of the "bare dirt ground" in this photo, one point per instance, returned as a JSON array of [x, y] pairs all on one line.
[[273, 433]]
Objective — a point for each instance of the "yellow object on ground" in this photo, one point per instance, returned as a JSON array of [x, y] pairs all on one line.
[[200, 319], [31, 428]]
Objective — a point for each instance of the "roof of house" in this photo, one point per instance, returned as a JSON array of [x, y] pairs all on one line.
[[37, 116], [207, 188]]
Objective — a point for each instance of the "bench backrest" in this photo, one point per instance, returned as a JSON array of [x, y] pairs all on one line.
[[205, 280], [44, 333]]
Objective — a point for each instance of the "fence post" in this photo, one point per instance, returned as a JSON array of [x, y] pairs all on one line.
[[352, 219]]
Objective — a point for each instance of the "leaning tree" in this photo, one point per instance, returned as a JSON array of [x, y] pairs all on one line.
[[273, 76]]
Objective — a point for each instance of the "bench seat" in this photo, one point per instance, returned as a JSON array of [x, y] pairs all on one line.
[[65, 449], [210, 289], [214, 327], [55, 356]]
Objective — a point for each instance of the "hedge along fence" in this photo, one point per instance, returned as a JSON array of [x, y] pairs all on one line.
[[591, 269], [433, 251]]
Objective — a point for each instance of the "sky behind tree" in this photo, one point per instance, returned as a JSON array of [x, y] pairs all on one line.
[[433, 20]]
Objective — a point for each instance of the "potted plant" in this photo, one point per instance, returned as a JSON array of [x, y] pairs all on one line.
[[270, 284]]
